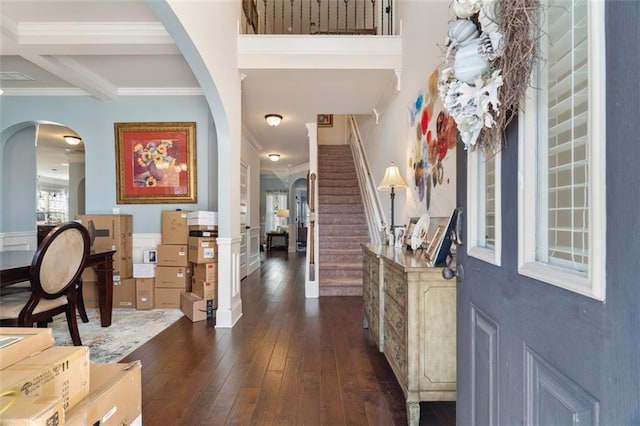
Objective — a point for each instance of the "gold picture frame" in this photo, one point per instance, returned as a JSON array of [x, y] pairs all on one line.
[[155, 163]]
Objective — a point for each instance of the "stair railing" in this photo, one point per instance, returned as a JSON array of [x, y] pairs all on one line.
[[370, 198]]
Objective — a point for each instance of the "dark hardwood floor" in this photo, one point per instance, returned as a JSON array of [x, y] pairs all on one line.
[[288, 361]]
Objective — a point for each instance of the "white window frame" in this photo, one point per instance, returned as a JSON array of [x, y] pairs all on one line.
[[591, 283], [476, 190]]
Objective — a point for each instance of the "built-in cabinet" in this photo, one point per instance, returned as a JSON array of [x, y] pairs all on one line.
[[410, 310]]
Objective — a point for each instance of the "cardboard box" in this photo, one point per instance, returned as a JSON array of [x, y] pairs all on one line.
[[31, 411], [209, 228], [18, 343], [144, 270], [202, 217], [209, 234], [172, 255], [174, 227], [144, 293], [124, 293], [205, 271], [194, 307], [203, 250], [115, 396], [173, 277], [59, 371], [113, 232], [204, 289], [90, 294], [167, 298]]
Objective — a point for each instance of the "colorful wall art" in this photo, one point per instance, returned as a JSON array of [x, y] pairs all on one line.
[[432, 157]]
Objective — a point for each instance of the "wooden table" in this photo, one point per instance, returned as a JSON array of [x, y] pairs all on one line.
[[270, 235], [15, 265]]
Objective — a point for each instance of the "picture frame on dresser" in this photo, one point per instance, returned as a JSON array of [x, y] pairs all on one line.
[[442, 251], [409, 232], [434, 243]]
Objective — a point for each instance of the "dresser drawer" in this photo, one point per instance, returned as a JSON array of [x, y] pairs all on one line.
[[396, 353], [394, 284], [395, 319]]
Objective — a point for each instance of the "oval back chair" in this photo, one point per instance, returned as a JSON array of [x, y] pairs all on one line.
[[55, 270]]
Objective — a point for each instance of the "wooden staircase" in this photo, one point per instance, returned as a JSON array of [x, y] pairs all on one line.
[[341, 221]]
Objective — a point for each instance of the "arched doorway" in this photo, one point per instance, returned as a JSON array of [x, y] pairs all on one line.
[[38, 160]]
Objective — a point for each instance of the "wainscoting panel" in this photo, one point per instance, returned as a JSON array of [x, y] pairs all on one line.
[[553, 398], [254, 250], [24, 240], [484, 368], [142, 242]]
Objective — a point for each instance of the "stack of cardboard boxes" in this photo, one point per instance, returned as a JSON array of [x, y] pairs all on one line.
[[43, 384], [180, 273], [173, 272], [111, 232], [202, 301]]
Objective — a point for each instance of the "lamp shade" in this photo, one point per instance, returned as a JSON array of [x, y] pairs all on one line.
[[392, 178], [273, 120], [282, 213], [72, 140], [274, 157]]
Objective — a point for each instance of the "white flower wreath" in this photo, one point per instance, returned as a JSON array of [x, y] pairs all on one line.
[[468, 87]]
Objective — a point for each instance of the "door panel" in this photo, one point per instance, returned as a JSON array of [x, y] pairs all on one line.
[[484, 368]]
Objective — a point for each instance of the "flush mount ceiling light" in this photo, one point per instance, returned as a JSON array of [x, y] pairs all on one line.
[[273, 120], [72, 140], [274, 157]]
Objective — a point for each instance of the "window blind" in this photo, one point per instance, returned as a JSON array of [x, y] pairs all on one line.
[[564, 161]]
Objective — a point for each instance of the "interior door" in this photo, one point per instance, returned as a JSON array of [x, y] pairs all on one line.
[[244, 228]]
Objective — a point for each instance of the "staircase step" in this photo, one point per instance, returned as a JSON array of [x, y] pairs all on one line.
[[341, 183], [339, 199], [341, 256], [333, 242], [336, 173], [342, 219], [341, 288], [361, 230], [353, 191], [340, 209]]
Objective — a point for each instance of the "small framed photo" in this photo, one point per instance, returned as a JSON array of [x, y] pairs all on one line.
[[434, 243], [325, 120], [409, 231], [150, 256], [399, 232]]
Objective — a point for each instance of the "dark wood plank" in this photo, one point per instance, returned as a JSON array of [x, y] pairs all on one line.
[[288, 361]]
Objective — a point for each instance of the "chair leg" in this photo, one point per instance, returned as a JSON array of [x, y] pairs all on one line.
[[72, 322], [80, 301]]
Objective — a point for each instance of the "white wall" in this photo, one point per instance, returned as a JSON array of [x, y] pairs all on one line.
[[336, 134], [423, 21]]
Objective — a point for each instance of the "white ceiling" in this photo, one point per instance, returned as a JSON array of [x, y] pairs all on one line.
[[123, 47]]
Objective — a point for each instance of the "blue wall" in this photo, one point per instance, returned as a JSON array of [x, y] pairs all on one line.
[[94, 121]]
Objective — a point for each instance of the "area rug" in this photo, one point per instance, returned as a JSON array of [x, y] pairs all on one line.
[[129, 329]]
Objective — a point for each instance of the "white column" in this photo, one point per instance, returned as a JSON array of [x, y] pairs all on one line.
[[311, 289], [229, 301]]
